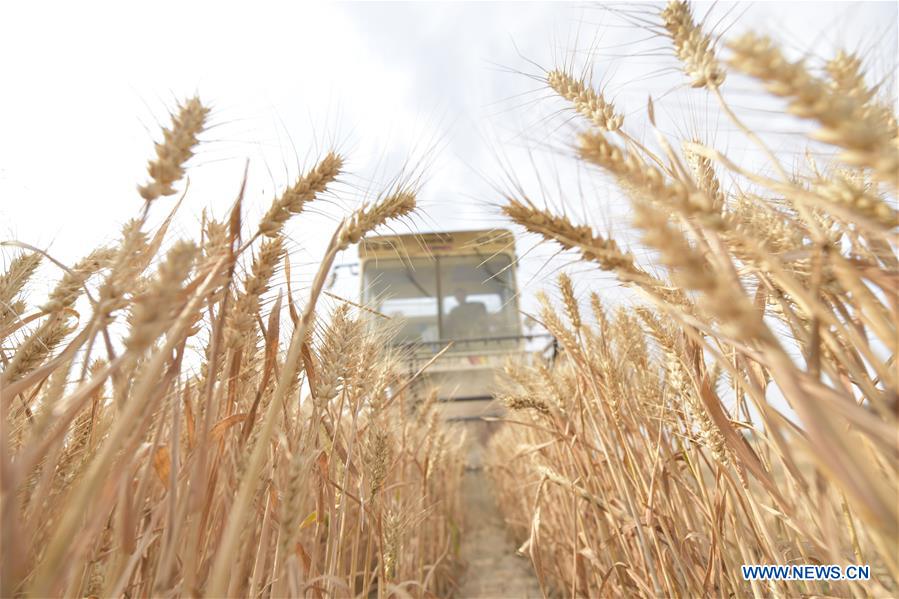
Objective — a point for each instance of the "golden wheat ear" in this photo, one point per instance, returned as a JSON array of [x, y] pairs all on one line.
[[179, 141], [12, 282], [394, 206], [867, 137], [586, 101], [692, 46], [20, 270], [306, 189]]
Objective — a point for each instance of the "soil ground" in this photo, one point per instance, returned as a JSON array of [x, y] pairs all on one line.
[[494, 570]]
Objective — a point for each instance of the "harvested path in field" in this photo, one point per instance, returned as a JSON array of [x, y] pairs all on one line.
[[494, 570]]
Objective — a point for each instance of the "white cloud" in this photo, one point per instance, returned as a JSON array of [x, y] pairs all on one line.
[[85, 88]]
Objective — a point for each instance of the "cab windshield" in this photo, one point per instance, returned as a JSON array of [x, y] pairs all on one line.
[[468, 299]]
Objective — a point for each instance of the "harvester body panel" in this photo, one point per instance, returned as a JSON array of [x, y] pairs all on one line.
[[455, 289]]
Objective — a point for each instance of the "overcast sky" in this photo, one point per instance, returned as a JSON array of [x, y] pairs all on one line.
[[449, 87]]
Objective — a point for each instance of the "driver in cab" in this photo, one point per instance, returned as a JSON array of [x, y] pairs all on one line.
[[467, 320]]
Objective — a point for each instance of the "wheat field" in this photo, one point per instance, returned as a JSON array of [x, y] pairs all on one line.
[[180, 419], [742, 409], [172, 455]]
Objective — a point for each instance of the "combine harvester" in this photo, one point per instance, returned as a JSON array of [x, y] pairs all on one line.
[[453, 298], [455, 289]]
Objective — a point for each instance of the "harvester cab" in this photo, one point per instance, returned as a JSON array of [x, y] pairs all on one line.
[[455, 289]]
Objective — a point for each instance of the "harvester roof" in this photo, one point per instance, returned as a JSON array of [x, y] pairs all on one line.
[[485, 242]]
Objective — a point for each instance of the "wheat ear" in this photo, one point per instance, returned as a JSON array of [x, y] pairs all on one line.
[[692, 46], [587, 102], [292, 201], [176, 149], [866, 135]]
